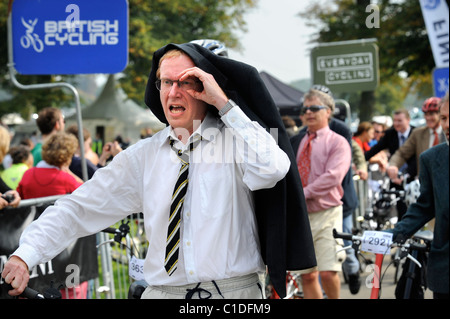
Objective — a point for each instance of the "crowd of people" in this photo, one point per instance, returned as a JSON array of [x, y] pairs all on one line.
[[215, 237]]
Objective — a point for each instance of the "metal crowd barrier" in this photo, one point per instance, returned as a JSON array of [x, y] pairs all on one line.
[[114, 280]]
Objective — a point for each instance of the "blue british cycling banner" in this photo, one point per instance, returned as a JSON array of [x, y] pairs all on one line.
[[70, 36]]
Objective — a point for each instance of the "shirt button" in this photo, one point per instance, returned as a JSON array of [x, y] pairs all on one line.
[[188, 243], [191, 273], [188, 214]]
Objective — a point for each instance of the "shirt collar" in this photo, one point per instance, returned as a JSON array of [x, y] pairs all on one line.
[[405, 134], [438, 130], [208, 130], [322, 131]]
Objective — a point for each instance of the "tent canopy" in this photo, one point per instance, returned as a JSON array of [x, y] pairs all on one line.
[[113, 103], [287, 99]]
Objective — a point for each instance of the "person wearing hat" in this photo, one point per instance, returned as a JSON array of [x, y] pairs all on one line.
[[220, 198], [420, 140]]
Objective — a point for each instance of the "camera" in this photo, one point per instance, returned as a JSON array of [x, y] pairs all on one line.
[[8, 197]]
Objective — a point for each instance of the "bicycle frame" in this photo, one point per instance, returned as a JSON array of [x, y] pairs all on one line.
[[375, 293]]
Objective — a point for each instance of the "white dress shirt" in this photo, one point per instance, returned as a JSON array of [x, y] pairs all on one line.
[[219, 237], [405, 134], [439, 133]]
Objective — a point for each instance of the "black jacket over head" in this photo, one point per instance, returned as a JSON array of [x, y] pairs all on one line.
[[283, 225]]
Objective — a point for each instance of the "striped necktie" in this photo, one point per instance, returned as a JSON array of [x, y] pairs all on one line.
[[176, 208]]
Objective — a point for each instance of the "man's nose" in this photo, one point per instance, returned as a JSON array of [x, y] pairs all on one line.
[[174, 89]]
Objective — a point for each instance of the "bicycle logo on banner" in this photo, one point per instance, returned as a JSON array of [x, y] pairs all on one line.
[[30, 38]]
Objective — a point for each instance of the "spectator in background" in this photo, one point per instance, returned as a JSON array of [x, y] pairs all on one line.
[[359, 164], [88, 152], [22, 160], [146, 132], [97, 144], [122, 143], [394, 138], [323, 159], [110, 149], [349, 199], [13, 195], [52, 175], [378, 132], [420, 140], [7, 161], [290, 125], [50, 120], [364, 134]]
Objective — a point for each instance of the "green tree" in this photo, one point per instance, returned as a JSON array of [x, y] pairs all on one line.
[[402, 39], [152, 24]]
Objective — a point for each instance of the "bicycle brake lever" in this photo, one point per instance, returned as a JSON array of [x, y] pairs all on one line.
[[414, 260], [343, 248]]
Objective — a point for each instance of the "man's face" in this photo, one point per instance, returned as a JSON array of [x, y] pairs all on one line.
[[401, 123], [61, 124], [180, 108], [432, 119], [377, 131], [444, 120], [315, 120]]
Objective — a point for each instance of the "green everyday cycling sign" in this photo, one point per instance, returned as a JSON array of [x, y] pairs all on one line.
[[349, 66]]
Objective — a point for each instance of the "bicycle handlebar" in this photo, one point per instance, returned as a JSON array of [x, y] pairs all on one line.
[[407, 245], [118, 233], [28, 293], [412, 246], [345, 236]]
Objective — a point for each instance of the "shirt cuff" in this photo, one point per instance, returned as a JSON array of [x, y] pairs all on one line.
[[28, 254], [235, 118]]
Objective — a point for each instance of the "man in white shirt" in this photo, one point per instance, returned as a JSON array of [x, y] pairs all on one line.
[[219, 248]]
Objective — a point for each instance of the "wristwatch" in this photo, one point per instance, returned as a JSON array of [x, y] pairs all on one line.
[[230, 104]]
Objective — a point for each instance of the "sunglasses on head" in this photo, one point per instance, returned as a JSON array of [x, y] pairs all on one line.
[[312, 108]]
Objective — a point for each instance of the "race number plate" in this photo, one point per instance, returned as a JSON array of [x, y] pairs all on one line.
[[136, 268], [376, 242]]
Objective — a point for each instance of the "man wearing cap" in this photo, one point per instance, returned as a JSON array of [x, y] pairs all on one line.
[[420, 140], [220, 198]]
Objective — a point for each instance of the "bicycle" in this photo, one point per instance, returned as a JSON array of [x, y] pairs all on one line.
[[410, 275], [408, 249], [293, 287]]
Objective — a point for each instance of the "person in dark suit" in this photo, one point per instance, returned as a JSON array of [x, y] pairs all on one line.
[[433, 202], [393, 138]]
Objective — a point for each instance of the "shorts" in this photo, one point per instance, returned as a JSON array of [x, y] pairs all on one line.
[[325, 245]]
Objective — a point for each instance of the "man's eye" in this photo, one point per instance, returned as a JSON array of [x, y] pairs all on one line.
[[167, 82]]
